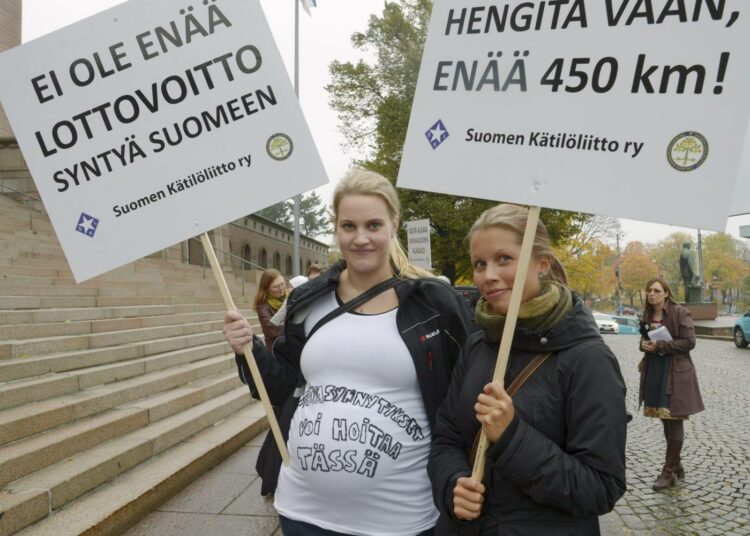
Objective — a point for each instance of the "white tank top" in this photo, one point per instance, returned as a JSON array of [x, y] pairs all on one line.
[[360, 438]]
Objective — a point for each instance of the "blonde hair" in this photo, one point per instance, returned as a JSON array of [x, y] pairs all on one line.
[[513, 218], [364, 182], [268, 277]]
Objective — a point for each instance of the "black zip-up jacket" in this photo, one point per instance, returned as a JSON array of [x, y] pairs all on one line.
[[432, 319], [561, 461]]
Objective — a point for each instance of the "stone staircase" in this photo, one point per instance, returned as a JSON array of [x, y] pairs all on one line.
[[114, 394]]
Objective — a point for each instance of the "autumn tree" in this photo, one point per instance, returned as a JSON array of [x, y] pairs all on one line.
[[590, 268], [636, 268], [373, 101], [725, 268]]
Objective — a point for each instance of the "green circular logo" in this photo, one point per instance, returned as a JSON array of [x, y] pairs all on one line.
[[687, 151], [279, 146]]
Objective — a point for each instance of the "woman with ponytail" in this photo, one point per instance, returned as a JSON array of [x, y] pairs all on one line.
[[369, 380], [556, 459]]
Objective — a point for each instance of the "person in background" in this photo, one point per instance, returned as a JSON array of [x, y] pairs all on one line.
[[279, 318], [268, 300], [314, 270], [556, 459], [669, 384], [369, 380]]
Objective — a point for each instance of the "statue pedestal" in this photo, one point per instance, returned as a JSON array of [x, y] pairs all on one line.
[[702, 311], [693, 294]]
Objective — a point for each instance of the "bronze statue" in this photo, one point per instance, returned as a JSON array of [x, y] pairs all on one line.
[[687, 268]]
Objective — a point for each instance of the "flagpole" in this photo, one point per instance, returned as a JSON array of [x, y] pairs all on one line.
[[297, 270]]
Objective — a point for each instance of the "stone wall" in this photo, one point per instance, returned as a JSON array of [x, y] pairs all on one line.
[[10, 36]]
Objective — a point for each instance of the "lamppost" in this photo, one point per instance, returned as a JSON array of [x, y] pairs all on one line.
[[618, 292]]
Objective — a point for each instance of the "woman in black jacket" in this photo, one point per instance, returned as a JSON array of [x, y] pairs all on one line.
[[369, 380], [557, 449]]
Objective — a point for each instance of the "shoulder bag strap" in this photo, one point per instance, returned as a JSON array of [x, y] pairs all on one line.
[[355, 302], [527, 371], [512, 389]]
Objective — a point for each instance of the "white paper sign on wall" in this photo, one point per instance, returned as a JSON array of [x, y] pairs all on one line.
[[420, 250]]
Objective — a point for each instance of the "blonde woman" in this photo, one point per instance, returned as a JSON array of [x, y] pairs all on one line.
[[370, 380], [557, 455]]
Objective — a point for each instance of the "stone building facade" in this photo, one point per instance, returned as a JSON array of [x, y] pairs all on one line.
[[10, 36]]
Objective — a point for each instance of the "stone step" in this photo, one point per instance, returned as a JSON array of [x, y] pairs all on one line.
[[55, 329], [67, 302], [58, 264], [48, 345], [28, 367], [47, 302], [108, 301], [12, 269], [152, 464], [27, 456], [23, 421], [15, 289], [35, 388], [46, 316]]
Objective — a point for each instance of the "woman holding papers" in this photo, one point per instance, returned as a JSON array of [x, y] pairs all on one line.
[[269, 298], [556, 459], [669, 385], [369, 378]]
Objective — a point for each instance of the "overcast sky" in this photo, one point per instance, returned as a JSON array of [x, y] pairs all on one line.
[[324, 37]]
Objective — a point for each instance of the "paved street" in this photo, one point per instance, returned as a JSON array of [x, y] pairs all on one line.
[[714, 499], [715, 496]]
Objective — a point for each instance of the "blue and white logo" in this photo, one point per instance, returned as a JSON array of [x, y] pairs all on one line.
[[437, 134], [87, 225]]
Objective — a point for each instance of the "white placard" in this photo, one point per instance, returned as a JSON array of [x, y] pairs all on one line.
[[156, 121], [616, 107], [741, 197], [420, 250]]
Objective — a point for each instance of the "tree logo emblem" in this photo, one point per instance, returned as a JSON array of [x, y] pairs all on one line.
[[687, 151], [279, 146]]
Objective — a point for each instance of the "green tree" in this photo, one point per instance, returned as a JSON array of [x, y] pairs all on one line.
[[374, 103], [666, 254], [314, 218], [280, 213]]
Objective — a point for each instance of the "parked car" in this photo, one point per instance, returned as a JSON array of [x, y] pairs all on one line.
[[628, 325], [742, 330], [606, 323]]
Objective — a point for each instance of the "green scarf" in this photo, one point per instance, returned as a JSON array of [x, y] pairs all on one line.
[[275, 303], [544, 311]]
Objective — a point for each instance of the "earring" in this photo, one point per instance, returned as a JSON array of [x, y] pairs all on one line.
[[542, 275]]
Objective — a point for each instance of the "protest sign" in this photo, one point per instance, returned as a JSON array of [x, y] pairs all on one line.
[[616, 107], [153, 122], [418, 236]]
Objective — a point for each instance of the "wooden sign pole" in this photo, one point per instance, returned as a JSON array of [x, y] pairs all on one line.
[[260, 387], [510, 326]]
